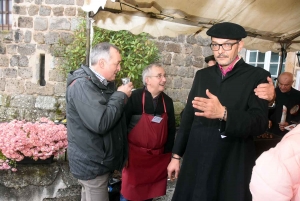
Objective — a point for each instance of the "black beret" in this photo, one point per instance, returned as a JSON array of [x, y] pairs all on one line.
[[209, 58], [227, 30]]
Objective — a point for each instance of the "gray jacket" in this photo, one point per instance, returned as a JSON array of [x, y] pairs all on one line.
[[97, 133]]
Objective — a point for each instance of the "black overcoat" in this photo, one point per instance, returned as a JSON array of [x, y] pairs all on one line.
[[219, 155]]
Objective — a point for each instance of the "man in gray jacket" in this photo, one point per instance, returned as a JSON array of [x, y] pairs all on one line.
[[97, 131]]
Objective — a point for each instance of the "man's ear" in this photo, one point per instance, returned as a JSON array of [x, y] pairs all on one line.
[[241, 45], [101, 63]]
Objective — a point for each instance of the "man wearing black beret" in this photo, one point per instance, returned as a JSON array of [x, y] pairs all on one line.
[[221, 117]]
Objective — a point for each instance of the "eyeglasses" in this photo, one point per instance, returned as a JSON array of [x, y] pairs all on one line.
[[225, 46], [159, 76]]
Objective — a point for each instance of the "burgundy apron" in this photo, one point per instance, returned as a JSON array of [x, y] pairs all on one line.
[[146, 174]]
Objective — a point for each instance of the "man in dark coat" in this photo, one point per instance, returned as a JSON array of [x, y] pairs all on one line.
[[219, 121], [286, 96], [97, 131]]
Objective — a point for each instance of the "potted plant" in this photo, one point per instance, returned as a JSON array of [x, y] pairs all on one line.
[[36, 140]]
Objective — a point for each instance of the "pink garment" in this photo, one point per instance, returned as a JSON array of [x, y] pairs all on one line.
[[276, 175]]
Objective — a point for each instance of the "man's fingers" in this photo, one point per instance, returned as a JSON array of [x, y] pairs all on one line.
[[270, 80], [210, 95]]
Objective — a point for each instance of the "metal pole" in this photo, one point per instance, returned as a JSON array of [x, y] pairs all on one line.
[[88, 32], [283, 54]]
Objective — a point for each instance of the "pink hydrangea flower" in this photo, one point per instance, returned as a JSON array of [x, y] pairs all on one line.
[[38, 140]]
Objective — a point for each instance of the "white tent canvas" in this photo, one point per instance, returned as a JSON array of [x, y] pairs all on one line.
[[270, 24]]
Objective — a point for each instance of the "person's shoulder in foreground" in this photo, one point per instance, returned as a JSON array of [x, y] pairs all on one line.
[[276, 175]]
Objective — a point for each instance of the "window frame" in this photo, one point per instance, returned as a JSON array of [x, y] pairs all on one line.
[[6, 14], [267, 61]]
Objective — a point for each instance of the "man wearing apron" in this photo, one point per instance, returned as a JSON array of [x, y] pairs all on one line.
[[151, 126]]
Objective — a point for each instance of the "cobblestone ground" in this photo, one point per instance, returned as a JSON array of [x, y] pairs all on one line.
[[169, 193]]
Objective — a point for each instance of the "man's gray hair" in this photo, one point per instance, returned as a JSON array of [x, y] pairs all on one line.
[[147, 71], [101, 51]]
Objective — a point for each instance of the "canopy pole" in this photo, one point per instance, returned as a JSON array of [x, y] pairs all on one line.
[[88, 32], [283, 56]]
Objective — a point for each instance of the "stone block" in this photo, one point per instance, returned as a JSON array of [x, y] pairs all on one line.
[[191, 39], [2, 84], [25, 73], [170, 70], [9, 72], [4, 61], [178, 59], [18, 35], [160, 45], [18, 60], [188, 61], [79, 2], [44, 47], [45, 11], [183, 95], [27, 36], [56, 76], [19, 10], [197, 50], [187, 83], [11, 113], [203, 41], [25, 22], [66, 38], [63, 2], [27, 49], [191, 72], [167, 38], [31, 88], [60, 88], [38, 2], [177, 83], [33, 10], [70, 11], [172, 93], [45, 103], [198, 61], [60, 24], [166, 58], [2, 48], [39, 37], [58, 11], [4, 100], [173, 47], [11, 49], [75, 23], [182, 71], [14, 86], [22, 101], [206, 51], [187, 49], [40, 24]]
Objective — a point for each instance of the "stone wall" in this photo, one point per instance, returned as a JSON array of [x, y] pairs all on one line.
[[38, 28]]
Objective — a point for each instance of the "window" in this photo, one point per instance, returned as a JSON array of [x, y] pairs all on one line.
[[269, 61], [6, 15]]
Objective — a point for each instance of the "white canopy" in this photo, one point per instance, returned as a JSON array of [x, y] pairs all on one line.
[[270, 24]]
